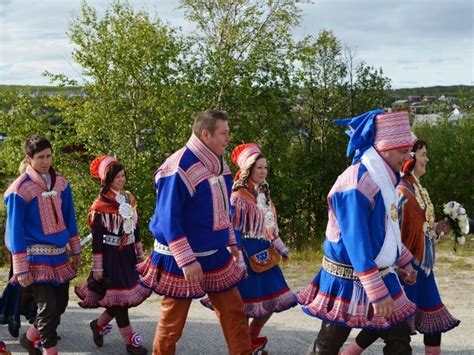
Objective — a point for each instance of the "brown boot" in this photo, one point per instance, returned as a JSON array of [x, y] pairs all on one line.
[[96, 334]]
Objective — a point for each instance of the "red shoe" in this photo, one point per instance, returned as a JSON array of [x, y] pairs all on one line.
[[258, 345]]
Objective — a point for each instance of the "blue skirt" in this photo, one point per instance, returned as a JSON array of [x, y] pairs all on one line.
[[432, 316], [266, 292], [160, 273], [344, 302]]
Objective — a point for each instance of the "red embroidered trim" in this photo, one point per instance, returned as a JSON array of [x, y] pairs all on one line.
[[182, 252], [97, 261], [220, 203], [75, 245], [20, 263], [405, 258], [373, 284]]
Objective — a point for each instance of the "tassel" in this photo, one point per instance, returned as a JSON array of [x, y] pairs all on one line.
[[358, 297]]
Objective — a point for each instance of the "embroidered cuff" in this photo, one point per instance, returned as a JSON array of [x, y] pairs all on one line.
[[182, 252], [20, 263], [97, 262], [75, 245], [232, 240], [280, 246], [373, 285], [139, 249], [405, 258]]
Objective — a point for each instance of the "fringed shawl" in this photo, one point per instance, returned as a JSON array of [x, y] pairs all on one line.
[[249, 218], [108, 207]]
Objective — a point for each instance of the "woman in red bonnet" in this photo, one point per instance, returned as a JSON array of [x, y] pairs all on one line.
[[116, 247]]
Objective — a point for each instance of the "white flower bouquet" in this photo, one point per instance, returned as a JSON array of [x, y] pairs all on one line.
[[457, 217]]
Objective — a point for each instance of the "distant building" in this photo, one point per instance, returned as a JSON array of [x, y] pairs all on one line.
[[414, 99], [429, 98]]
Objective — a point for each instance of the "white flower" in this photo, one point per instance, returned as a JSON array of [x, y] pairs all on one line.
[[461, 240], [464, 226], [120, 198], [126, 210], [128, 226]]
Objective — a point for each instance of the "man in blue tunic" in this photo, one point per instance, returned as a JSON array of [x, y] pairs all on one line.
[[41, 232], [357, 286], [192, 231]]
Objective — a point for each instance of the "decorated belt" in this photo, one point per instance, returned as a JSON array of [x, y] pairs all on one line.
[[164, 249], [346, 271], [44, 249], [116, 240]]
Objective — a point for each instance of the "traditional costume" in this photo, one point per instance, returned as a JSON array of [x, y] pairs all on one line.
[[116, 246], [363, 243], [255, 223], [41, 232], [192, 223], [418, 234]]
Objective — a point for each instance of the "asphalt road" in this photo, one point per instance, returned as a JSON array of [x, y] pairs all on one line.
[[290, 332]]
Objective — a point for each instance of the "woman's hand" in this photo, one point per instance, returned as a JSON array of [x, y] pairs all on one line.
[[442, 227], [408, 275], [98, 275], [25, 279]]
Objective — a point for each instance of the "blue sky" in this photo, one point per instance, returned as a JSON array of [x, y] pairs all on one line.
[[416, 42]]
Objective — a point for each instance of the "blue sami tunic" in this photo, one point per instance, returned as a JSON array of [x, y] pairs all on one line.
[[191, 222], [354, 236], [40, 224]]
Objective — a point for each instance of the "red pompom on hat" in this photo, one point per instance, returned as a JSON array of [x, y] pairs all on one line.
[[100, 165], [242, 152]]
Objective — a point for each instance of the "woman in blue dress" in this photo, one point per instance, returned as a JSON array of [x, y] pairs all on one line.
[[254, 220]]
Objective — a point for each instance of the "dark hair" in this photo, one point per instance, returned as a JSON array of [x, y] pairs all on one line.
[[36, 144], [418, 145], [207, 120], [112, 172]]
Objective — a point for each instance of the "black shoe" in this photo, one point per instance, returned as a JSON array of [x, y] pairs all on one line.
[[14, 328], [28, 345], [97, 337], [140, 350]]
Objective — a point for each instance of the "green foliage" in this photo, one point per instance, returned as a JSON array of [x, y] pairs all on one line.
[[451, 166], [144, 81]]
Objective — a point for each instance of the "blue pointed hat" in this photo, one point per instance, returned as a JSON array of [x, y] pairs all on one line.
[[383, 131]]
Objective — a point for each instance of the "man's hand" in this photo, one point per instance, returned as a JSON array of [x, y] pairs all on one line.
[[75, 261], [98, 275], [384, 308], [25, 279], [408, 274], [235, 253], [193, 272]]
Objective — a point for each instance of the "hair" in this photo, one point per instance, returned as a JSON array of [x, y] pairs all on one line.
[[112, 172], [36, 144], [207, 120], [419, 144], [245, 175]]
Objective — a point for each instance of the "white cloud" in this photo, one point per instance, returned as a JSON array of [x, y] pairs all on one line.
[[417, 43]]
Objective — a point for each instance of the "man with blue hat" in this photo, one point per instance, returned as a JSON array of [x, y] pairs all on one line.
[[357, 286]]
